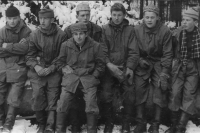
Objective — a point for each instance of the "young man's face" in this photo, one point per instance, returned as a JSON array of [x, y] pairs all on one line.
[[188, 23], [79, 36], [83, 16], [13, 21], [150, 19], [45, 22], [117, 17]]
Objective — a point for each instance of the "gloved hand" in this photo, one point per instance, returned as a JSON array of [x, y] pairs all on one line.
[[40, 70], [116, 72], [163, 81], [129, 75], [143, 63], [67, 69]]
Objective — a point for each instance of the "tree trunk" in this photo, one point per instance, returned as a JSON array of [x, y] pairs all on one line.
[[141, 8]]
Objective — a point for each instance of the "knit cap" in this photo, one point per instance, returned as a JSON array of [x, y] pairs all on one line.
[[83, 6], [151, 8], [46, 12], [191, 13], [78, 27], [12, 11]]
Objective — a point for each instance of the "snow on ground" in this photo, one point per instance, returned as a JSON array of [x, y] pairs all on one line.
[[24, 126]]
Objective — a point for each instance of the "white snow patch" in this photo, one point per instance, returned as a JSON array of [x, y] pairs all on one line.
[[24, 126]]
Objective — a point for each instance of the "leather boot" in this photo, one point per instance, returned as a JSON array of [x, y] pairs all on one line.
[[75, 120], [141, 123], [128, 108], [10, 119], [174, 121], [40, 117], [91, 123], [109, 117], [154, 128], [2, 116], [61, 122], [50, 126], [181, 127]]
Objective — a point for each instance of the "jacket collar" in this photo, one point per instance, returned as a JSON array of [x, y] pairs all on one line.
[[86, 45], [17, 28], [120, 27]]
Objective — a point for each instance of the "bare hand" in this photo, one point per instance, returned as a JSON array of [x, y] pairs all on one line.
[[39, 70], [22, 40]]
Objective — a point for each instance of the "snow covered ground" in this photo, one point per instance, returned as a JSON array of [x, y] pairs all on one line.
[[24, 126]]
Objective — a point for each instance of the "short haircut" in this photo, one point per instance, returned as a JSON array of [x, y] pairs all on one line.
[[118, 7]]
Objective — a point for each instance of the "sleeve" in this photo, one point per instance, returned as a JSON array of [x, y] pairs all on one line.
[[105, 46], [132, 52], [17, 48], [60, 61], [31, 60], [99, 62], [166, 59]]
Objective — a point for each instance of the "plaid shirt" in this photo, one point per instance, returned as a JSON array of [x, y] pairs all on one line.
[[195, 46]]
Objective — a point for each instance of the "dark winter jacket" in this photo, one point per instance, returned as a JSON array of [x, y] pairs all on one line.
[[87, 64], [155, 45], [119, 44], [12, 58], [45, 45]]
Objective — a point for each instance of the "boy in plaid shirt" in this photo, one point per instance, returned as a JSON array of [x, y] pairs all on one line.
[[185, 71]]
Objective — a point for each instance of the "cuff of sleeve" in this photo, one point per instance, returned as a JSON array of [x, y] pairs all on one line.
[[165, 70], [96, 74], [52, 68], [9, 47], [34, 64]]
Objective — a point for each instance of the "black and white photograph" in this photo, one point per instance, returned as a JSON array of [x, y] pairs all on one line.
[[100, 66]]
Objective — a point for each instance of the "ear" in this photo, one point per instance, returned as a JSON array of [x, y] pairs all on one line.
[[52, 20], [196, 22]]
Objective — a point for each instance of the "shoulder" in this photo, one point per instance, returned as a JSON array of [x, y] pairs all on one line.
[[95, 26]]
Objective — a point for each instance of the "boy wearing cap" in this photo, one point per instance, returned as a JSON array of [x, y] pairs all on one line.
[[94, 31], [45, 43], [13, 70], [185, 71], [122, 56], [82, 62], [155, 45], [83, 15]]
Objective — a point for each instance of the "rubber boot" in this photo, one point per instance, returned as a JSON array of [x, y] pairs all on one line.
[[174, 121], [40, 117], [181, 127], [154, 128], [141, 123], [10, 119], [128, 109], [61, 122], [109, 117], [50, 125], [91, 123]]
